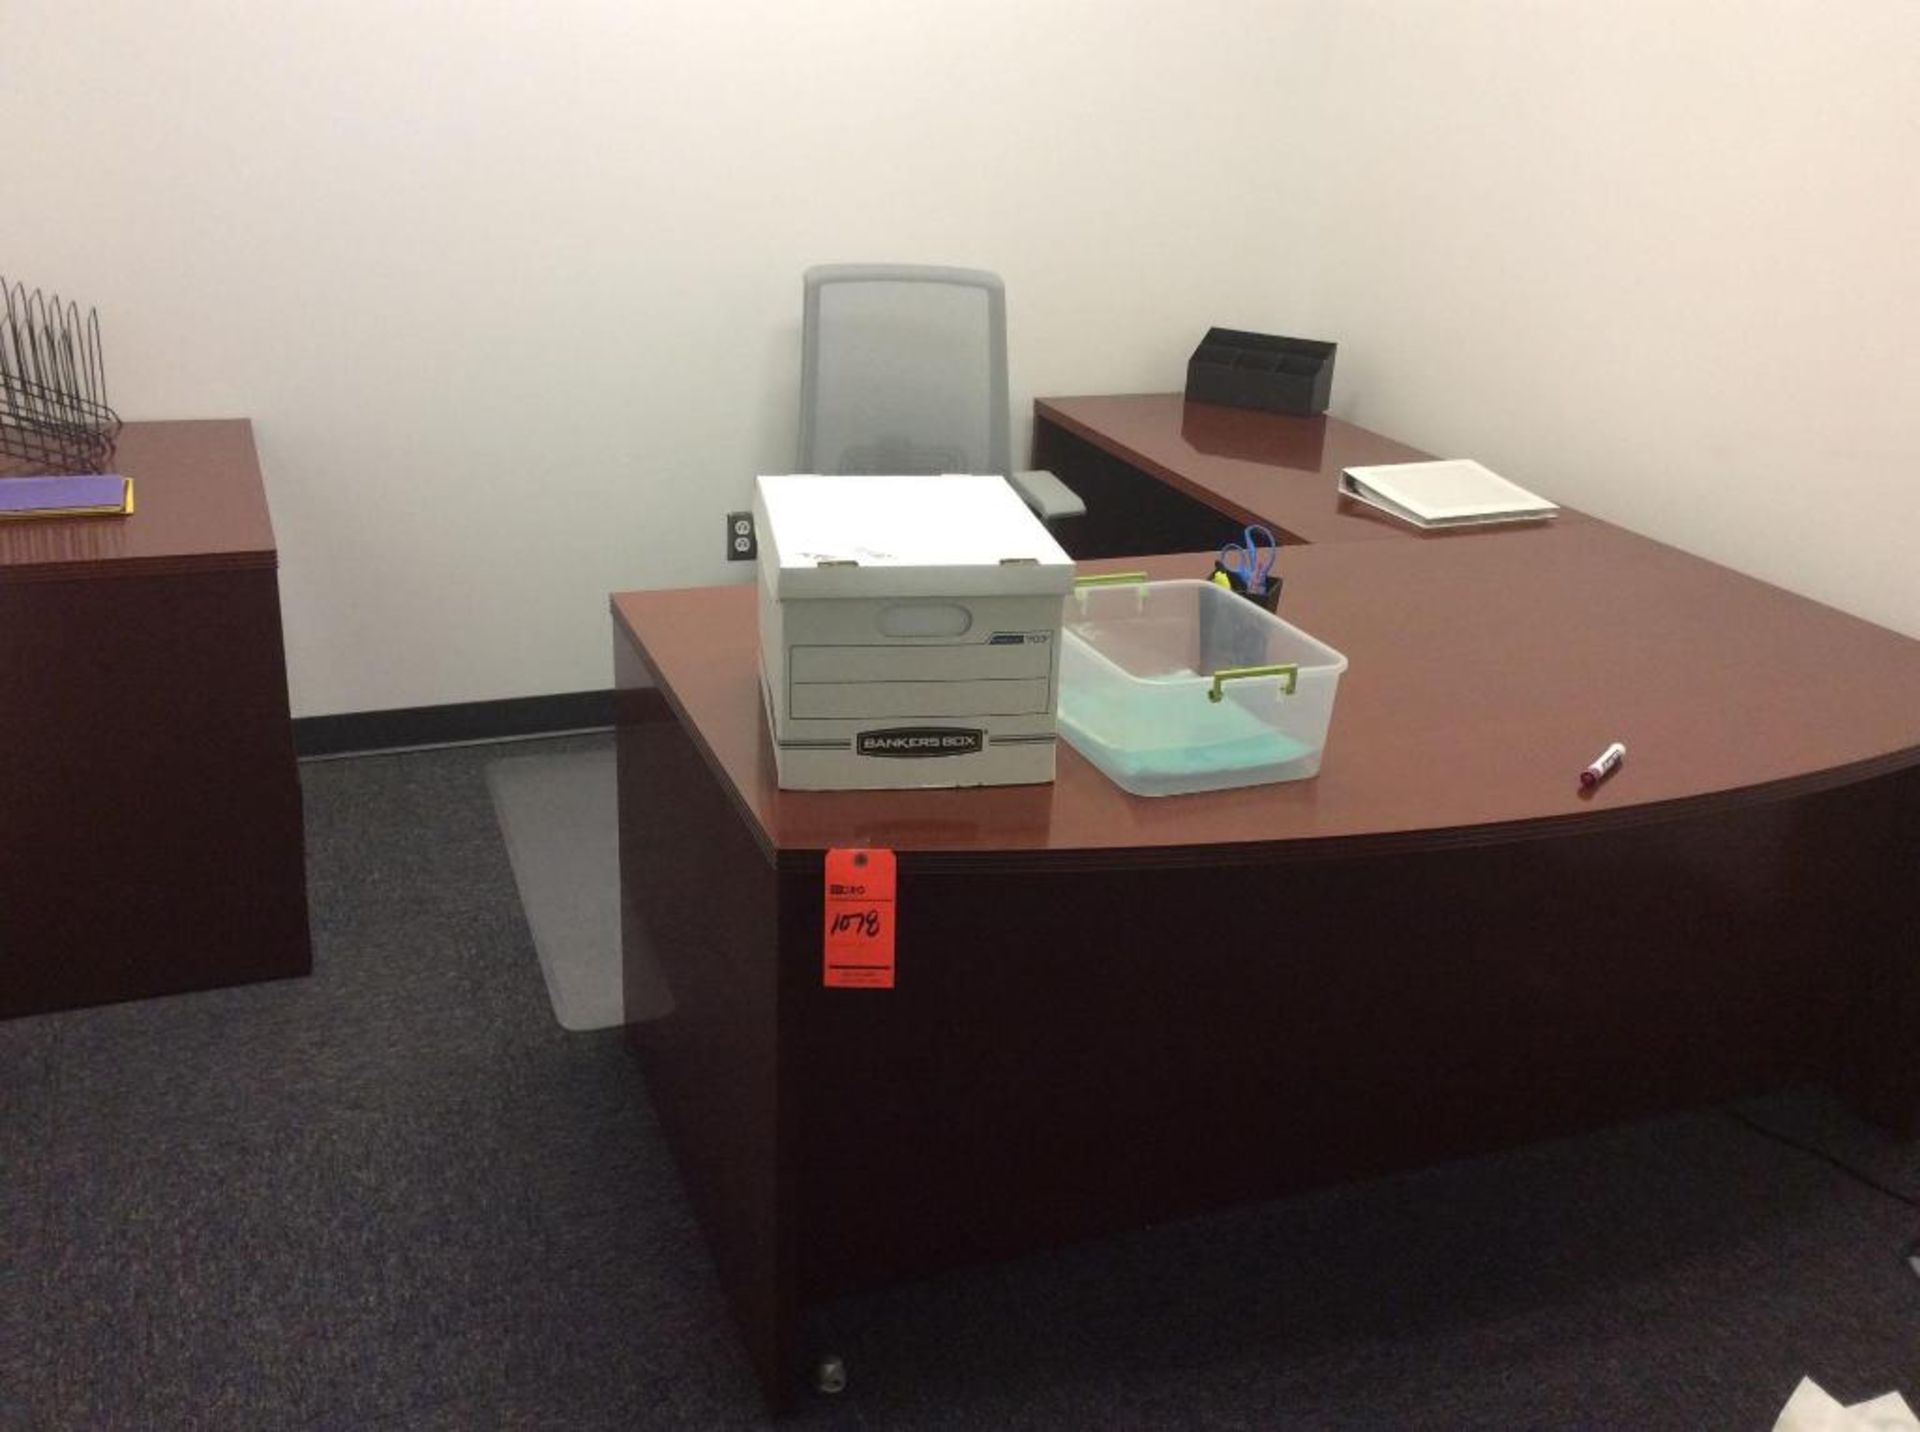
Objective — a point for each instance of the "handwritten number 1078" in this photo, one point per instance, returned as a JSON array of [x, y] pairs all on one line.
[[865, 923]]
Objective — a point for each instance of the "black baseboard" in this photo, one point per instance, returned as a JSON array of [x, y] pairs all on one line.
[[446, 725]]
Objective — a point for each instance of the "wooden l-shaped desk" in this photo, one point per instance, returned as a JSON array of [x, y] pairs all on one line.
[[1113, 1010]]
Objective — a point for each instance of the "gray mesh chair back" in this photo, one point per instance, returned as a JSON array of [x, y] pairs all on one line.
[[903, 370]]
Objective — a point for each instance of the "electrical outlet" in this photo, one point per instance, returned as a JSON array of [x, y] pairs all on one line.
[[741, 543]]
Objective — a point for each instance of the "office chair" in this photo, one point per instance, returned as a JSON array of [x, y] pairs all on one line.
[[904, 370]]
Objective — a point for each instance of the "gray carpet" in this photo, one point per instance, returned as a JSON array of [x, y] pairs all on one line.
[[398, 1195]]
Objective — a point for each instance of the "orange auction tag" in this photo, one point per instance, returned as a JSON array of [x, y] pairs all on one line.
[[859, 947]]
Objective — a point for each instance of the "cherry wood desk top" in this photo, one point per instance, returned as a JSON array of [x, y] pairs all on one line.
[[1260, 467], [1485, 674], [198, 506]]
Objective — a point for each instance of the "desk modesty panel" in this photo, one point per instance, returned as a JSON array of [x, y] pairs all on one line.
[[1452, 950], [151, 840]]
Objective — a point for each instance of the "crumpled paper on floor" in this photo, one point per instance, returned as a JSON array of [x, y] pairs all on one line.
[[1813, 1409]]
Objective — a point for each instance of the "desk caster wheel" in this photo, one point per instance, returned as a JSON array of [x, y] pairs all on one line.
[[830, 1375]]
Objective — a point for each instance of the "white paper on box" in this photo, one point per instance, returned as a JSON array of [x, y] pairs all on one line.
[[1813, 1409]]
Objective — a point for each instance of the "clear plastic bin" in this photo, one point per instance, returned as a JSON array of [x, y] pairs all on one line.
[[1173, 687]]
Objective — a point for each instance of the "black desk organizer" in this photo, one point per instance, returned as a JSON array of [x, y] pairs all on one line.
[[1259, 370]]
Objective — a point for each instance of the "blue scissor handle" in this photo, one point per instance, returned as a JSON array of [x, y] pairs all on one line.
[[1252, 556]]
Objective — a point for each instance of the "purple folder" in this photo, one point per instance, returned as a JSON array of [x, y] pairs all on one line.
[[90, 495]]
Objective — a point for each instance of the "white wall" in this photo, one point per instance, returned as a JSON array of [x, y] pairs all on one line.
[[511, 290], [1659, 259]]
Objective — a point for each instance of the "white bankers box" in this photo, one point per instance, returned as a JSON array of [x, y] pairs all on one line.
[[909, 631]]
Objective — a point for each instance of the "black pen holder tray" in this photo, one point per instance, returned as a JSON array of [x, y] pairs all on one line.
[[1260, 370]]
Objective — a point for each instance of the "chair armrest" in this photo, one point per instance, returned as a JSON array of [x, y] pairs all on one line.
[[1047, 495]]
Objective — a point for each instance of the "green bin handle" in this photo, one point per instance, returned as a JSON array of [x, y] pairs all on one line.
[[1109, 579], [1290, 670]]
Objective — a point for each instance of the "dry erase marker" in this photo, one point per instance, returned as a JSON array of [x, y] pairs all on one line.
[[1604, 765]]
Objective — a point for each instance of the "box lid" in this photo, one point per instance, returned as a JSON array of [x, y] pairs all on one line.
[[866, 536]]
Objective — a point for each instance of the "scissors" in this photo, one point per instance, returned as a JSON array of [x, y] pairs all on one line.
[[1251, 558]]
